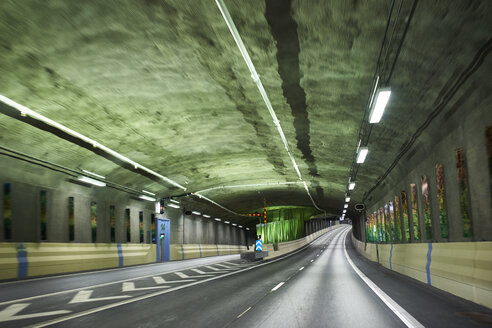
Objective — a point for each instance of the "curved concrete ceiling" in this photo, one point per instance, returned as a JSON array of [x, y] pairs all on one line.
[[164, 84]]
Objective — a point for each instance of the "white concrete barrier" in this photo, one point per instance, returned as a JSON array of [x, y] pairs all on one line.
[[461, 268]]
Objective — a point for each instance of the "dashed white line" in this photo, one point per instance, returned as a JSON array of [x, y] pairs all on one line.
[[278, 286], [301, 269], [239, 316]]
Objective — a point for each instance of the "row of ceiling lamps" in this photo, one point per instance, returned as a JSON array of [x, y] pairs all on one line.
[[217, 219], [379, 100]]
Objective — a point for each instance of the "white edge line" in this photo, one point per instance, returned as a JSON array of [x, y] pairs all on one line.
[[239, 316], [278, 286], [400, 312], [139, 298]]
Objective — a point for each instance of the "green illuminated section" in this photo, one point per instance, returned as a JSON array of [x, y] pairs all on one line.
[[280, 231]]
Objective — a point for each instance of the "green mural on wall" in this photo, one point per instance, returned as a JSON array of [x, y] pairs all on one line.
[[441, 198], [463, 193]]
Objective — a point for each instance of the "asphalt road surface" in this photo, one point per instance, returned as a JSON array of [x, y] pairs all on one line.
[[317, 286]]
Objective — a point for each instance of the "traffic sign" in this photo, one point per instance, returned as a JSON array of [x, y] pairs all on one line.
[[259, 245]]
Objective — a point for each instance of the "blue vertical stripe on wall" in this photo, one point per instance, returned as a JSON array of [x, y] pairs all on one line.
[[427, 267], [200, 249], [120, 256], [22, 263], [182, 252]]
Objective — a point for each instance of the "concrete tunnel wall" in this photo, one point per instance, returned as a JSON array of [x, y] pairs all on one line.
[[464, 127], [27, 180]]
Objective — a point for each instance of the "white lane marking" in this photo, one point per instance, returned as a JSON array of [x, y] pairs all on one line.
[[235, 264], [400, 312], [215, 269], [85, 296], [278, 286], [9, 313], [312, 260], [183, 275], [161, 281], [301, 269], [203, 272], [130, 287], [162, 292], [239, 316], [223, 266]]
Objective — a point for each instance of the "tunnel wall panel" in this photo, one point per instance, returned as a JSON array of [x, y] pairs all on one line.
[[463, 269]]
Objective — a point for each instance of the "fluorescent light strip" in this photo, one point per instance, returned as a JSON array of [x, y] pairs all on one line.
[[24, 110], [347, 199], [217, 204], [240, 226], [351, 186], [247, 228], [217, 219], [196, 213], [226, 222], [151, 199], [91, 181], [234, 224], [174, 201], [173, 205], [380, 103], [345, 206], [148, 192], [206, 216], [94, 174], [256, 79], [362, 154]]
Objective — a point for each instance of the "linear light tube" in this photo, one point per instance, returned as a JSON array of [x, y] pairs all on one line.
[[173, 205], [345, 206], [344, 211], [351, 186], [196, 213], [206, 216], [247, 228], [174, 201], [234, 224], [226, 222], [91, 181], [94, 174], [240, 226], [95, 144], [150, 199], [347, 199], [379, 105], [148, 192], [362, 154], [217, 219], [261, 89]]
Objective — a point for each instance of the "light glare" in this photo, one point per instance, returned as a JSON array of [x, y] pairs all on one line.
[[379, 105]]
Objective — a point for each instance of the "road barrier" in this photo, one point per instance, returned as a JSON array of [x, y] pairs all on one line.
[[460, 268]]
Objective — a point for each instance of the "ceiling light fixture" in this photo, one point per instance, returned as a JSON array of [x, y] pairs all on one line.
[[95, 144], [362, 154], [234, 224], [344, 211], [94, 174], [196, 213], [91, 181], [345, 206], [226, 222], [173, 205], [379, 104], [217, 219], [240, 226], [151, 199], [351, 186], [206, 216], [148, 192], [174, 201], [347, 199], [247, 228]]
